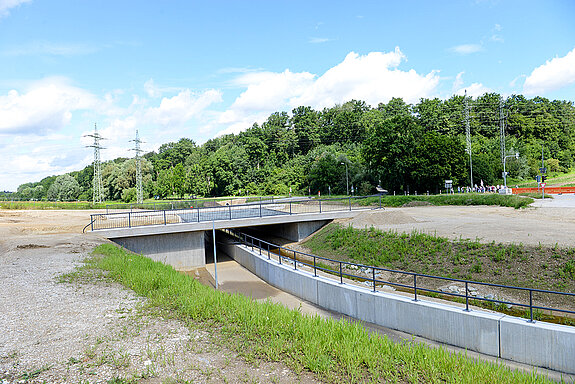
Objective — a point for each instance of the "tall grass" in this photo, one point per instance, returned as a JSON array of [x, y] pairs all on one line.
[[336, 351]]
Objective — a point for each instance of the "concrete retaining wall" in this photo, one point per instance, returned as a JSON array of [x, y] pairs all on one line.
[[539, 344], [184, 251]]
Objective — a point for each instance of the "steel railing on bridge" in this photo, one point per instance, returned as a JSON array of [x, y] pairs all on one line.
[[411, 282], [261, 208]]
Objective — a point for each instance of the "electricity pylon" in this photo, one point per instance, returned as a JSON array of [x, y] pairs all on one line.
[[97, 188], [139, 187]]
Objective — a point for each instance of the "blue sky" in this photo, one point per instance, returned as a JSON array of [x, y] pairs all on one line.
[[175, 69]]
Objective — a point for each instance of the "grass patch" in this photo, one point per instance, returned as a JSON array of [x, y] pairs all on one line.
[[455, 199], [514, 264], [42, 205], [336, 351], [535, 195]]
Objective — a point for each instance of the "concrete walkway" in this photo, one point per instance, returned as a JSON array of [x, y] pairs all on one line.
[[233, 278]]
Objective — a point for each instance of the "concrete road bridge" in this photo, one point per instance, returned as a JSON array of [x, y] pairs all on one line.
[[177, 237]]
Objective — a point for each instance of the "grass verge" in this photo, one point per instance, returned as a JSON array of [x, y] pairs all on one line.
[[455, 199], [336, 351]]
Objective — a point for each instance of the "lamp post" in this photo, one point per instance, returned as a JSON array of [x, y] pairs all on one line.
[[346, 178], [516, 155]]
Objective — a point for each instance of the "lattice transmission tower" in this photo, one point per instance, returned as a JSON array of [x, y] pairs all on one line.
[[139, 186], [502, 129], [98, 189], [468, 139]]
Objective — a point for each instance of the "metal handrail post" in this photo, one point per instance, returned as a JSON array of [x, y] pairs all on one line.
[[349, 203], [531, 306], [92, 222], [165, 221], [373, 275], [230, 209], [290, 207], [269, 251], [129, 219], [466, 297], [314, 267], [294, 261], [198, 208], [319, 205], [260, 247], [340, 273], [415, 286]]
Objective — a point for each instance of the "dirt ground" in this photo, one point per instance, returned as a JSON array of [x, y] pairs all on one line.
[[53, 331], [56, 331]]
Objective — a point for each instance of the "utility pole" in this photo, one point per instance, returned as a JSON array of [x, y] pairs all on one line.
[[139, 187], [468, 139], [97, 188]]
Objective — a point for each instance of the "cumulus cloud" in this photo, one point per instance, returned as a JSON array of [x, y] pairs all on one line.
[[554, 74], [373, 78], [46, 106], [6, 5], [466, 49], [473, 90], [182, 107]]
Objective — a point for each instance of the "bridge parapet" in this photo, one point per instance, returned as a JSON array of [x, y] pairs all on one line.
[[278, 207]]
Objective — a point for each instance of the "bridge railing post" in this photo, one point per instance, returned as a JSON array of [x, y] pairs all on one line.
[[129, 219], [230, 209], [290, 207], [466, 297], [373, 276], [340, 273], [165, 221], [349, 203], [314, 267], [319, 205], [294, 260], [415, 286]]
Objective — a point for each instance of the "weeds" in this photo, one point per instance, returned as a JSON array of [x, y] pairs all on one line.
[[334, 350]]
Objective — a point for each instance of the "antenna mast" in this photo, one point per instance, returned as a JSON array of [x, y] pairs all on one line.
[[98, 189], [139, 187]]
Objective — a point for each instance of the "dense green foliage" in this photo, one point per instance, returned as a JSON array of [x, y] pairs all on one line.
[[450, 199], [406, 148], [336, 351]]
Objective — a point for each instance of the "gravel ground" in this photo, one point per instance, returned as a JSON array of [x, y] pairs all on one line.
[[55, 330]]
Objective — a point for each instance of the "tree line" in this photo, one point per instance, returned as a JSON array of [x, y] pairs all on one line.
[[404, 147]]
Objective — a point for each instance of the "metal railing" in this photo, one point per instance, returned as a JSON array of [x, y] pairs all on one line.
[[277, 207], [342, 269], [185, 204]]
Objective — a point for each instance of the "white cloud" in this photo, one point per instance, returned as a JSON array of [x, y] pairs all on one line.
[[49, 48], [473, 90], [46, 106], [6, 5], [372, 78], [318, 40], [467, 49], [179, 109], [554, 74]]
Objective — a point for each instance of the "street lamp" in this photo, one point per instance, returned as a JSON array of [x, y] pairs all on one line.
[[516, 155], [346, 179]]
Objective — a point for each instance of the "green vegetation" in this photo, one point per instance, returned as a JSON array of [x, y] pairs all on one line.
[[451, 199], [403, 147], [336, 351], [550, 268], [50, 205]]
